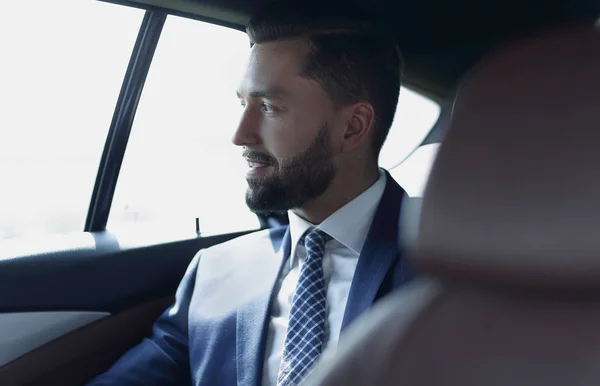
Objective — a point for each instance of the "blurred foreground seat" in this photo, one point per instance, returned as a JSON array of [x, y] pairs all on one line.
[[509, 236]]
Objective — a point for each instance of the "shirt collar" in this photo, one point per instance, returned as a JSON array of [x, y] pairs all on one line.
[[350, 224]]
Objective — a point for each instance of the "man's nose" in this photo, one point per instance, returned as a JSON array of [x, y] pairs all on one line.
[[247, 132]]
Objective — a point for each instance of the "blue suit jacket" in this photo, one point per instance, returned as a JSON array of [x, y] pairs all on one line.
[[215, 332]]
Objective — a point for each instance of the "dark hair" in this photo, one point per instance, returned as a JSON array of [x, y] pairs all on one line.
[[352, 56]]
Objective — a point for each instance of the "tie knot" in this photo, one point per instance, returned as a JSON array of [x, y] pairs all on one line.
[[316, 238]]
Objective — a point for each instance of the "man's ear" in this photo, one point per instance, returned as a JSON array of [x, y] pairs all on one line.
[[360, 122]]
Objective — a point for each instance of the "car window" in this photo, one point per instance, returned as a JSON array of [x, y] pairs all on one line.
[[62, 66], [180, 163], [414, 119], [412, 174]]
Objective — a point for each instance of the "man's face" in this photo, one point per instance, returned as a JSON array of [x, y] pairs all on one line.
[[285, 129]]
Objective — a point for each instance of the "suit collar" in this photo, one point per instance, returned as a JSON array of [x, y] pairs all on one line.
[[350, 224], [378, 254], [252, 318]]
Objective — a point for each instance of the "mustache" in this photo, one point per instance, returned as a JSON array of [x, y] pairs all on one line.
[[258, 155]]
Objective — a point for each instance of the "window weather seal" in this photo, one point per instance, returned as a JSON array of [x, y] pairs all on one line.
[[122, 121]]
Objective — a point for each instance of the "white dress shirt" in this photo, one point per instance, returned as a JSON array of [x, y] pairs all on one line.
[[348, 227]]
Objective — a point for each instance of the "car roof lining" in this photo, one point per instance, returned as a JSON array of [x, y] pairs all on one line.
[[440, 40]]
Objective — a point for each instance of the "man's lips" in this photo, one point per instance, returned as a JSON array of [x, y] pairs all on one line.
[[257, 166], [256, 163]]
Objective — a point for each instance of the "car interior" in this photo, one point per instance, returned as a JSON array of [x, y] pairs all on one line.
[[505, 245], [73, 303]]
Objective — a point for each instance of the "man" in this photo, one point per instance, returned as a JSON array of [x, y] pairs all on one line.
[[319, 96]]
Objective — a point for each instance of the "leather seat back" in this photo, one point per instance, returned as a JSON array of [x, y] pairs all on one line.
[[508, 241]]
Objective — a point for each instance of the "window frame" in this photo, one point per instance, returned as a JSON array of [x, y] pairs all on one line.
[[122, 121]]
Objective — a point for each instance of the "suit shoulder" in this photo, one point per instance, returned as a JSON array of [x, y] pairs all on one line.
[[265, 237], [241, 260]]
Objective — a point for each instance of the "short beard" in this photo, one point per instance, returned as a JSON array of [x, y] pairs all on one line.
[[297, 182]]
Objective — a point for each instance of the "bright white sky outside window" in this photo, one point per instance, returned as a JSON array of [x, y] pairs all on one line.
[[60, 80], [61, 71]]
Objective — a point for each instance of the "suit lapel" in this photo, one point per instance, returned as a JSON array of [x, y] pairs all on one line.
[[252, 318], [378, 254]]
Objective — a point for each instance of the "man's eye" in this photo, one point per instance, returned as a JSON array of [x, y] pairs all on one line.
[[267, 108], [242, 103]]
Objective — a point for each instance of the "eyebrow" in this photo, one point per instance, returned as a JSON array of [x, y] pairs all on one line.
[[264, 94]]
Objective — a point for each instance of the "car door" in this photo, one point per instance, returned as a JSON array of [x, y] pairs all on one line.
[[116, 170]]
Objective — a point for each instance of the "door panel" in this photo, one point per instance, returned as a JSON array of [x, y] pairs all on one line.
[[92, 272], [77, 357], [21, 332], [83, 300]]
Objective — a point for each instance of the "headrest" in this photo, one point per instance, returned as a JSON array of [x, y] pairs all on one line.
[[514, 194]]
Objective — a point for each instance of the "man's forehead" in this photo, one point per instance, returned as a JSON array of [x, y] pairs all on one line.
[[273, 67], [279, 55]]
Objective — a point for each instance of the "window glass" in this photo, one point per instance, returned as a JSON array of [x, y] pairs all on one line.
[[415, 117], [180, 163], [412, 174], [62, 66]]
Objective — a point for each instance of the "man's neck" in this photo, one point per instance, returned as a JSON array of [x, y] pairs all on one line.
[[345, 187]]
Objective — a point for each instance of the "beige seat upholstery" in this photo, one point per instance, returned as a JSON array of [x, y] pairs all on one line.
[[509, 235]]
